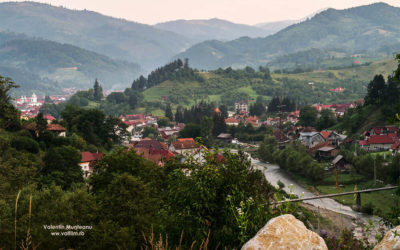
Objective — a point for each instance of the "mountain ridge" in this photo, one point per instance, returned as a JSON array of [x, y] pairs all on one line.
[[363, 29]]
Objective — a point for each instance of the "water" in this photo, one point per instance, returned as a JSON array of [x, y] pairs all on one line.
[[273, 173]]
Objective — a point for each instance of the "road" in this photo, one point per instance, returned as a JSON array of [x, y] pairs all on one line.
[[273, 173]]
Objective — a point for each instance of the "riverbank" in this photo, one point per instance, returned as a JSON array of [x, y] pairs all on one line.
[[374, 203]]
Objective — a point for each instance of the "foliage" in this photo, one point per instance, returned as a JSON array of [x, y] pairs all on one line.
[[171, 71], [294, 158], [94, 126], [150, 132], [8, 114], [191, 130], [326, 120], [207, 201], [163, 122], [308, 116], [62, 167]]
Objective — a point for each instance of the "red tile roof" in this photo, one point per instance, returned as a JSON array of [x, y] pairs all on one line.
[[231, 120], [89, 157], [380, 139], [155, 155], [185, 143], [325, 133], [55, 127], [49, 117], [154, 144]]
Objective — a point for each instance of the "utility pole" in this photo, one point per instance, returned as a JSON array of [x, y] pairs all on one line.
[[375, 171], [280, 122]]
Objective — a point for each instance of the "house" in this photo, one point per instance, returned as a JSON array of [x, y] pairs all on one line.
[[88, 161], [184, 145], [231, 121], [167, 132], [341, 164], [310, 139], [56, 129], [49, 118], [333, 137], [149, 143], [381, 130], [241, 106], [326, 152], [153, 150], [378, 143], [396, 147], [158, 156], [253, 120], [225, 137]]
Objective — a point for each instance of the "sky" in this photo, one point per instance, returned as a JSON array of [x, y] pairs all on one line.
[[238, 11]]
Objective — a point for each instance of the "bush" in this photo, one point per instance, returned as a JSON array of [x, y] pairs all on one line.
[[25, 143]]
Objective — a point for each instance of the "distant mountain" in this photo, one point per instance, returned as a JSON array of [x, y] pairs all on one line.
[[273, 27], [212, 29], [59, 65], [116, 38], [360, 30]]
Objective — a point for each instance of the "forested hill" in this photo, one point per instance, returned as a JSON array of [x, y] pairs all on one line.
[[365, 30], [113, 37], [182, 86], [59, 65], [382, 104]]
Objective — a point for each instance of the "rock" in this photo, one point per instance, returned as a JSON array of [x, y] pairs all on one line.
[[390, 241], [285, 232]]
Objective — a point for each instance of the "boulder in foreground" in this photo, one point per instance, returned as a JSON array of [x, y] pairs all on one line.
[[391, 241], [285, 232]]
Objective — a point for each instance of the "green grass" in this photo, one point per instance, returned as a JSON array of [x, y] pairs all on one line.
[[249, 90], [364, 73], [382, 200]]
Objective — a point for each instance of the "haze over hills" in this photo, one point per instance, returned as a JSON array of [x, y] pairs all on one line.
[[273, 27], [361, 30], [216, 29], [47, 63], [116, 38]]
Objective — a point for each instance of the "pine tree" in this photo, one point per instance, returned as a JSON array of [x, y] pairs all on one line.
[[98, 91], [168, 112], [219, 124]]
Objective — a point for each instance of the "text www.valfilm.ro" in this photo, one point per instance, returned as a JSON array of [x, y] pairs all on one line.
[[67, 230]]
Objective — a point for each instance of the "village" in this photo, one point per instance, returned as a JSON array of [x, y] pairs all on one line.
[[166, 143]]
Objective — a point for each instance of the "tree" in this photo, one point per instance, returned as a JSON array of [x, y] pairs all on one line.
[[219, 125], [116, 97], [308, 116], [208, 202], [41, 124], [273, 105], [168, 112], [207, 126], [191, 130], [326, 120], [62, 166], [9, 115], [224, 110], [150, 132], [376, 90], [179, 114], [98, 91], [163, 122], [257, 109]]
